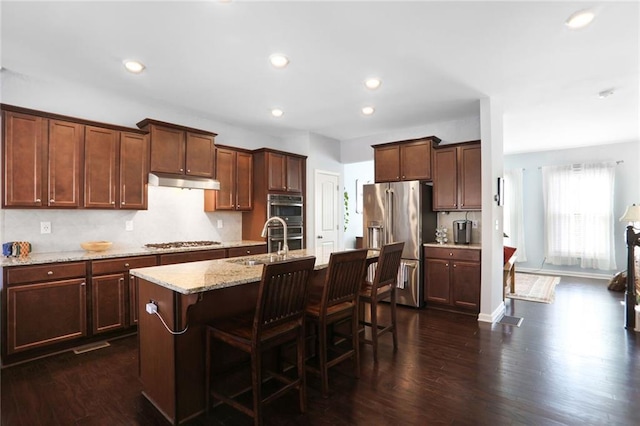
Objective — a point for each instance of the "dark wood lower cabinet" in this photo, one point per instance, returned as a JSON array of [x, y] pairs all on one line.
[[45, 313], [108, 303], [452, 278]]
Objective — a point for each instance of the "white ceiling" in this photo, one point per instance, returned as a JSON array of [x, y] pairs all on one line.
[[435, 59]]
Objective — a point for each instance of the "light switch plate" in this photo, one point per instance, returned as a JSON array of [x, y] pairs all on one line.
[[474, 224], [128, 225], [219, 223]]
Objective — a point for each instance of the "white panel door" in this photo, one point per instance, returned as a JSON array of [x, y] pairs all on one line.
[[327, 196]]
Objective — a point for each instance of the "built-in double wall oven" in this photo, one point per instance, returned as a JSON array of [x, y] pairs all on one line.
[[291, 209]]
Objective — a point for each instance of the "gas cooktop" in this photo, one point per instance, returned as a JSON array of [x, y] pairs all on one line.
[[180, 244]]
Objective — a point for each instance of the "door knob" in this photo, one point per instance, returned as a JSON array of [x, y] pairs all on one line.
[[319, 237]]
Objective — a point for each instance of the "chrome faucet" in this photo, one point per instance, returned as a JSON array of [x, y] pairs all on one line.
[[285, 247]]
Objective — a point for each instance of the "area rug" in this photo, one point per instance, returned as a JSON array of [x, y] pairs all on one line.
[[534, 288]]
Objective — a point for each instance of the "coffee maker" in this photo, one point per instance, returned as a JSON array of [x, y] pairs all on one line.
[[462, 231]]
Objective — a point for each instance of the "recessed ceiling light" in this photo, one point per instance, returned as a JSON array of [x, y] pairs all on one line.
[[134, 66], [372, 83], [368, 110], [278, 60], [580, 19], [606, 93], [277, 112]]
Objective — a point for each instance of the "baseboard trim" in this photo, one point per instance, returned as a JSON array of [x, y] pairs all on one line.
[[494, 316], [564, 273]]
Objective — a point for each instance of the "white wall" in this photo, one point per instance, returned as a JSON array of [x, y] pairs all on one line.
[[626, 193]]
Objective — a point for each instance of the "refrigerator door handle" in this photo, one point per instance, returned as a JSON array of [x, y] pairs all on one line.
[[390, 216]]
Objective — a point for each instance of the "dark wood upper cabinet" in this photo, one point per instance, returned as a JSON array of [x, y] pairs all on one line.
[[54, 161], [234, 171], [100, 167], [134, 170], [404, 160], [23, 140], [65, 157], [284, 172], [457, 177], [180, 150]]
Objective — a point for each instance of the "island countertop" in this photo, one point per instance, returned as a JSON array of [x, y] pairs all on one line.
[[197, 277]]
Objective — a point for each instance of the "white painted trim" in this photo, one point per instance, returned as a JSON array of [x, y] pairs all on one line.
[[495, 315], [564, 273], [637, 309]]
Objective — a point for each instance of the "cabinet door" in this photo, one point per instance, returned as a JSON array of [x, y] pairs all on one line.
[[470, 177], [436, 281], [200, 153], [134, 171], [108, 303], [60, 315], [244, 181], [100, 167], [294, 174], [133, 300], [226, 174], [65, 163], [276, 170], [387, 163], [415, 160], [466, 285], [23, 151], [445, 182], [167, 150]]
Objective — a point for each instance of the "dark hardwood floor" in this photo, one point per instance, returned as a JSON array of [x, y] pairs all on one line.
[[570, 362]]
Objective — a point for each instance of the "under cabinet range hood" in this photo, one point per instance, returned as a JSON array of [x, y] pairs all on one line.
[[176, 181]]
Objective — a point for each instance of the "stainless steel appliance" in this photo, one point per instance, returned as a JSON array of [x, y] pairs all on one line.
[[291, 209], [401, 211], [462, 231]]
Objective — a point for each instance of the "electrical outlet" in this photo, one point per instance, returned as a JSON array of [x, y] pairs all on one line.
[[45, 227], [474, 224], [128, 225], [219, 223]]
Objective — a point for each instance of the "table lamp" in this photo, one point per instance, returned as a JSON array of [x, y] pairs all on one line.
[[632, 214]]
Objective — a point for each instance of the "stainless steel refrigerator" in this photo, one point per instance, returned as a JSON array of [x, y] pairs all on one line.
[[401, 211]]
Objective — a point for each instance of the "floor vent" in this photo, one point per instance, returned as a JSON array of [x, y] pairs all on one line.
[[90, 347], [507, 320]]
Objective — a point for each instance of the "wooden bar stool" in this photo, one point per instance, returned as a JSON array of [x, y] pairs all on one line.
[[278, 319], [339, 302], [383, 287]]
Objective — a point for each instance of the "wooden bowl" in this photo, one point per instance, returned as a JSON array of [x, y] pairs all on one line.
[[96, 245]]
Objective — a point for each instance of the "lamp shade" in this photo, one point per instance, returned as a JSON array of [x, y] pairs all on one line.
[[632, 214]]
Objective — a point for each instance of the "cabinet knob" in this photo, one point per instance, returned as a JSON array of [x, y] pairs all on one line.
[[403, 176], [248, 251], [49, 272], [454, 265], [52, 200], [126, 265], [83, 284], [450, 254], [446, 264], [182, 170], [38, 200], [123, 203], [121, 280]]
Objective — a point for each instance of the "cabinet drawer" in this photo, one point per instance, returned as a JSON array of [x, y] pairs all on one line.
[[49, 272], [193, 256], [452, 253], [122, 264], [246, 251]]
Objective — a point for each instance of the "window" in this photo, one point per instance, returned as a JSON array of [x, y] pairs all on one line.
[[578, 205], [514, 212]]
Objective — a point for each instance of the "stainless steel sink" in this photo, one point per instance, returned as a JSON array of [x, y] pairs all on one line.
[[261, 260]]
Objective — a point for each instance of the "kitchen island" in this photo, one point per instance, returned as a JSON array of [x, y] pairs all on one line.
[[188, 296]]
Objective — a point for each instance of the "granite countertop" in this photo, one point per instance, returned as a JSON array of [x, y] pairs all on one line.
[[80, 255], [457, 246], [197, 277]]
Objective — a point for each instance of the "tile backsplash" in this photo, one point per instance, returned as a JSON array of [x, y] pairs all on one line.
[[174, 215], [446, 219]]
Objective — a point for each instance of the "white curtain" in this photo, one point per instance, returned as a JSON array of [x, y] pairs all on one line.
[[578, 204], [514, 212]]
